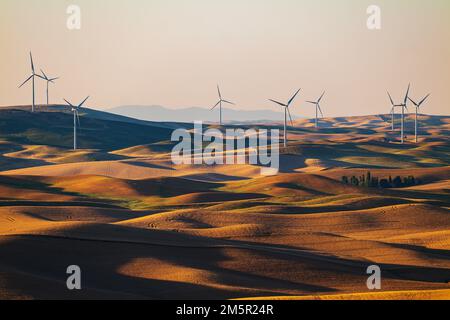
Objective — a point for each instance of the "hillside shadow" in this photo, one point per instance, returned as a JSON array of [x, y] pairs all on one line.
[[428, 252], [214, 177], [144, 164], [390, 271], [7, 163], [47, 257], [331, 155]]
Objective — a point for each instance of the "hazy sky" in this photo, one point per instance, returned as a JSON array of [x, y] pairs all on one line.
[[173, 52]]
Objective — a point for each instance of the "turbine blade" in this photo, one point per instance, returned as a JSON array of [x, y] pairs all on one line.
[[290, 117], [312, 102], [390, 98], [79, 106], [407, 94], [215, 105], [32, 63], [45, 76], [53, 79], [220, 94], [229, 102], [292, 99], [321, 113], [423, 100], [78, 118], [26, 81], [281, 104], [69, 103], [321, 97], [412, 101]]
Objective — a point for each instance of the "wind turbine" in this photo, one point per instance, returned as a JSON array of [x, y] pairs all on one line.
[[33, 75], [317, 104], [417, 105], [52, 80], [220, 103], [393, 109], [76, 118], [404, 106], [286, 113]]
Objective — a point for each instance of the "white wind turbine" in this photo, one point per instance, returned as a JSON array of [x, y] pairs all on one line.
[[393, 110], [286, 113], [33, 75], [48, 80], [76, 118], [318, 109], [418, 105], [220, 103]]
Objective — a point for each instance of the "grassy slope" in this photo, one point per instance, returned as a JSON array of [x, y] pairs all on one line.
[[56, 129]]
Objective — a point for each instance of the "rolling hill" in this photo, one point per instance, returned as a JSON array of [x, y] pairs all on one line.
[[143, 228]]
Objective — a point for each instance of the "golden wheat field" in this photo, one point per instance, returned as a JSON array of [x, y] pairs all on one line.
[[140, 227]]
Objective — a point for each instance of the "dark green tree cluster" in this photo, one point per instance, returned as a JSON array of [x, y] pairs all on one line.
[[370, 181]]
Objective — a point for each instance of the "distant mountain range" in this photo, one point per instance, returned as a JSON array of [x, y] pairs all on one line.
[[159, 113]]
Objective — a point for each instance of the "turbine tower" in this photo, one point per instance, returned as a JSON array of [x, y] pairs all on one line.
[[286, 113], [393, 110], [76, 118], [48, 80], [33, 75], [220, 103], [318, 109], [417, 105]]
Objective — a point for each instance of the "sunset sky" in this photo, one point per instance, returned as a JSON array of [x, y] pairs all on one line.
[[174, 52]]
